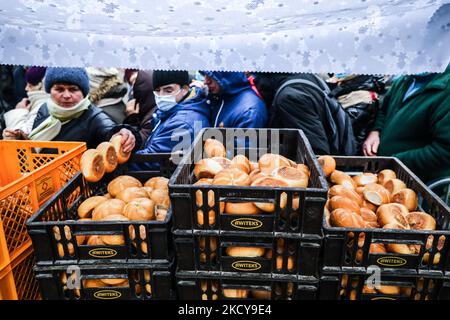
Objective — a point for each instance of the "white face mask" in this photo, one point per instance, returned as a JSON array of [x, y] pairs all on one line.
[[165, 103]]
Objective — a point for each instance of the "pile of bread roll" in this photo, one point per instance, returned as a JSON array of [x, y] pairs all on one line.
[[104, 159], [246, 252], [371, 200], [127, 200], [271, 170]]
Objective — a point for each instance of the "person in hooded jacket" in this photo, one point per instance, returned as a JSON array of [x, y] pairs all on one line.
[[302, 106], [181, 111], [233, 102], [70, 116], [141, 108], [413, 125]]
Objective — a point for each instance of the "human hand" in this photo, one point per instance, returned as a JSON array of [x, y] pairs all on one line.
[[14, 134], [370, 146], [128, 139]]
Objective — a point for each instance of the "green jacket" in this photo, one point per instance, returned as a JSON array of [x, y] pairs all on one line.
[[417, 131]]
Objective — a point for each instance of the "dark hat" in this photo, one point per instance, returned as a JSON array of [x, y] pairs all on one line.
[[163, 78], [34, 75], [77, 76]]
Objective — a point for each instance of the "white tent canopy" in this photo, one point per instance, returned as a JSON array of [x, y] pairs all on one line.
[[353, 36]]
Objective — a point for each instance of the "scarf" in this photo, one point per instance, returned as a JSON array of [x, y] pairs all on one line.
[[59, 116], [37, 98]]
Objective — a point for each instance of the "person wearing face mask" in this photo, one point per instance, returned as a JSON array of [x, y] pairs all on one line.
[[22, 117], [233, 102], [69, 115], [414, 125], [180, 111]]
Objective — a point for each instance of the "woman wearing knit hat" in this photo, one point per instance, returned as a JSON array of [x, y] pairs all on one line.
[[69, 114], [22, 117]]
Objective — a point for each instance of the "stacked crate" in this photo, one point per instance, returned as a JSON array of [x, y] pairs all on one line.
[[348, 267], [31, 172], [141, 269], [292, 234]]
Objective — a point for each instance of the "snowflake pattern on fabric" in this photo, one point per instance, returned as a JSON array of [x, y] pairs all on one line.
[[352, 36]]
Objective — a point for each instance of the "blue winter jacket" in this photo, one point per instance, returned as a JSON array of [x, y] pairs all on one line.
[[237, 105], [176, 125]]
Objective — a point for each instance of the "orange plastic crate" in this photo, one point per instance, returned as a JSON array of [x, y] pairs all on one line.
[[30, 173], [17, 280]]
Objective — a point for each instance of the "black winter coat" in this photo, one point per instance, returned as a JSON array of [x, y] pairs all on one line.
[[93, 127], [299, 106]]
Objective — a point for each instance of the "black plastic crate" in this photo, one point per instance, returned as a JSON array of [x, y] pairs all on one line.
[[361, 286], [343, 253], [59, 213], [306, 220], [126, 281], [210, 287], [289, 255]]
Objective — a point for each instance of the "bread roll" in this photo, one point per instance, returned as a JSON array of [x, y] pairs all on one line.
[[346, 219], [258, 174], [114, 240], [368, 215], [394, 185], [92, 166], [140, 209], [157, 183], [212, 243], [121, 183], [132, 193], [254, 166], [214, 148], [114, 282], [339, 190], [367, 290], [303, 168], [398, 248], [270, 182], [344, 203], [160, 213], [161, 198], [370, 206], [360, 191], [406, 197], [386, 175], [235, 293], [95, 240], [421, 221], [86, 207], [389, 290], [364, 179], [270, 161], [250, 252], [241, 208], [294, 177], [377, 248], [392, 213], [148, 190], [93, 283], [122, 156], [70, 249], [328, 164], [207, 168], [109, 155], [241, 162], [108, 207], [376, 194], [261, 294], [231, 177], [339, 177]]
